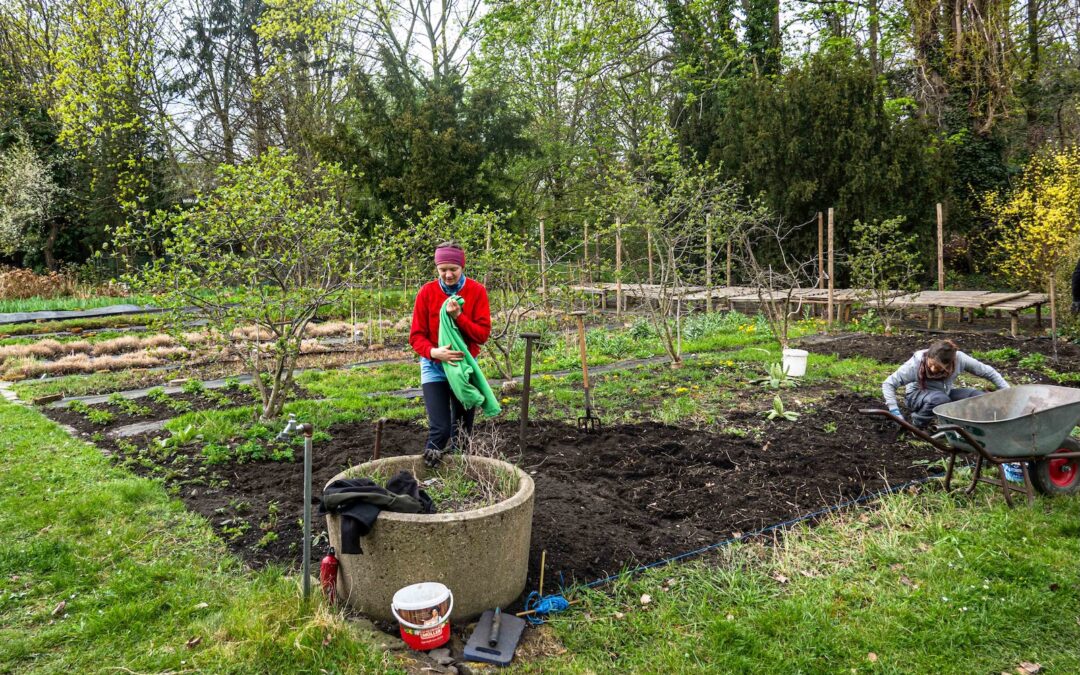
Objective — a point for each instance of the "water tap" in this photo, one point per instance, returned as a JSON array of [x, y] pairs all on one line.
[[289, 429]]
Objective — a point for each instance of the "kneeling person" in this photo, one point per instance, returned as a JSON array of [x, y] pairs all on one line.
[[929, 376]]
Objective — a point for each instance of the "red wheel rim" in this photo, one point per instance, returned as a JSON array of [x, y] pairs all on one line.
[[1063, 472]]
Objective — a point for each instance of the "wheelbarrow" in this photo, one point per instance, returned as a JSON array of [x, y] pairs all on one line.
[[1029, 424]]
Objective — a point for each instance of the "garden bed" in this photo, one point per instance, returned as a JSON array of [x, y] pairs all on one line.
[[994, 349], [630, 495]]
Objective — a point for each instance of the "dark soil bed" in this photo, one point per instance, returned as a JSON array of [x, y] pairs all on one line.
[[155, 410], [628, 496], [899, 348]]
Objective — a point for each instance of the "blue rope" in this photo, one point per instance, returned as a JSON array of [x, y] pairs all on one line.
[[542, 606]]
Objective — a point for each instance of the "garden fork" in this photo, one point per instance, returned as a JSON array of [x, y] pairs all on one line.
[[588, 422]]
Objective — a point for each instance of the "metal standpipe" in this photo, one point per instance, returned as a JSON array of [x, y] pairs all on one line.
[[526, 383], [307, 430]]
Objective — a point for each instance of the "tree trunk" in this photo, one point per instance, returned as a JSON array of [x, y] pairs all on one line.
[[1031, 77], [50, 245]]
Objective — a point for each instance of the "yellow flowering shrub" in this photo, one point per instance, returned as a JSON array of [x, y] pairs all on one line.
[[1038, 221]]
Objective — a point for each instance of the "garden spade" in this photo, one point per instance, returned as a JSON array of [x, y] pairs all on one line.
[[588, 422]]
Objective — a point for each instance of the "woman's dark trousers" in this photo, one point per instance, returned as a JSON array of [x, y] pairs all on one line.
[[448, 421]]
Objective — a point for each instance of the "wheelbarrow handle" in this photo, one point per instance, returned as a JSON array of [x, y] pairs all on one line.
[[908, 426]]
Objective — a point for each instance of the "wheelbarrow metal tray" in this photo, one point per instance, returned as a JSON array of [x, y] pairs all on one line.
[[1028, 420]]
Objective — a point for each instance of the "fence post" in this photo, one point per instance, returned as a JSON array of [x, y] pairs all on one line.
[[820, 252], [708, 263], [648, 241], [940, 250], [543, 265], [618, 269], [828, 325]]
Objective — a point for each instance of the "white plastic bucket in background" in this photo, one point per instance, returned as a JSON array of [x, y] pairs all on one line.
[[423, 614], [794, 362]]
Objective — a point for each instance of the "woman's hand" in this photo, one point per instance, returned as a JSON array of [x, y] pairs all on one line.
[[453, 309], [446, 355]]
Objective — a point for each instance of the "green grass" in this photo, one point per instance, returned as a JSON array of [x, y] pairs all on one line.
[[68, 303], [141, 579], [37, 328], [927, 583]]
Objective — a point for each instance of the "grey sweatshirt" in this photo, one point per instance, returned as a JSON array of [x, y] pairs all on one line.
[[908, 374]]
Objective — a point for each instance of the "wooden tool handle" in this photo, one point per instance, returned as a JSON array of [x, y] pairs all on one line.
[[581, 348]]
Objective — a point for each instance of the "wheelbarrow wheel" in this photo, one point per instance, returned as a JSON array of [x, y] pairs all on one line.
[[1058, 476]]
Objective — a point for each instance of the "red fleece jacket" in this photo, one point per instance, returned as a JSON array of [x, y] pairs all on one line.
[[474, 320]]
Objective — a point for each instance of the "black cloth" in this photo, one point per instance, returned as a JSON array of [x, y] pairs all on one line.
[[449, 423], [1076, 289], [358, 501]]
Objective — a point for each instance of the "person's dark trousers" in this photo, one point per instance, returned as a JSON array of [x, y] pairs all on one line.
[[447, 418], [921, 403]]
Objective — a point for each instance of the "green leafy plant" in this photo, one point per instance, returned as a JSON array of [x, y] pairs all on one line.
[[158, 395], [267, 539], [216, 453], [193, 387], [776, 377], [999, 355], [185, 436], [777, 411], [1035, 361], [231, 384], [100, 417]]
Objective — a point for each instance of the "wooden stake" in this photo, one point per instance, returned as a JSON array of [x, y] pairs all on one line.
[[820, 251], [618, 269], [585, 254], [708, 264], [828, 324], [487, 252], [648, 240], [543, 564], [729, 262], [352, 303], [1053, 317], [543, 266], [940, 250]]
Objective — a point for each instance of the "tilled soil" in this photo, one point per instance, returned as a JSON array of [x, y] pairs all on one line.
[[605, 502], [899, 348]]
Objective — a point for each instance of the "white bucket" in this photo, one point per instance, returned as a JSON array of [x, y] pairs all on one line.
[[794, 362], [423, 612]]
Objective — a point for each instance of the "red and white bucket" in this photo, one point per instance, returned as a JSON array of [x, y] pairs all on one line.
[[423, 614]]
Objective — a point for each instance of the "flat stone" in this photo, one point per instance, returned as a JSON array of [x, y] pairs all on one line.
[[138, 428], [42, 400], [445, 660], [439, 654]]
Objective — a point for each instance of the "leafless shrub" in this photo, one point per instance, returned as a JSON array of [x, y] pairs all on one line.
[[489, 440]]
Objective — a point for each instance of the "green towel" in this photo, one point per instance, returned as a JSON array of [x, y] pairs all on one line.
[[466, 381]]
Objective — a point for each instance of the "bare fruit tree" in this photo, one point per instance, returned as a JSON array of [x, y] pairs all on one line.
[[774, 271], [671, 203], [256, 258]]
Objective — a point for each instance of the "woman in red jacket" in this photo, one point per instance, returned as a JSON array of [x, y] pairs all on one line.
[[445, 413]]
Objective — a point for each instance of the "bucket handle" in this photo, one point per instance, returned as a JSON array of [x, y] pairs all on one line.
[[414, 626]]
